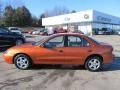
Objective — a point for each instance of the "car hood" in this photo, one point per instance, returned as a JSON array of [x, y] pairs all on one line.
[[22, 47]]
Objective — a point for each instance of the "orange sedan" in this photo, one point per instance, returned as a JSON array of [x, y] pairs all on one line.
[[64, 48]]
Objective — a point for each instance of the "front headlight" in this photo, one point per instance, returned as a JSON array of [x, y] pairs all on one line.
[[5, 52], [8, 52]]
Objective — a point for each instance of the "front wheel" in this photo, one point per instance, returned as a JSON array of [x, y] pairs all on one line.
[[22, 62], [93, 64]]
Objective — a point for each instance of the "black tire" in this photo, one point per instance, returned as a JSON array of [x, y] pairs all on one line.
[[22, 62], [93, 63], [19, 42]]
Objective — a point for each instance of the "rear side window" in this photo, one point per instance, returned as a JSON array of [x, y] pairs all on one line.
[[77, 41]]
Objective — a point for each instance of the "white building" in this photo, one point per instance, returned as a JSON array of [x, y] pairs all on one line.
[[87, 21]]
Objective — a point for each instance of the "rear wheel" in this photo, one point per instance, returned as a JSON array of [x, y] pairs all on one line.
[[22, 62], [93, 63]]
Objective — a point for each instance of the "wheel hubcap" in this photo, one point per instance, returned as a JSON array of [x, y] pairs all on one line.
[[94, 64], [22, 62]]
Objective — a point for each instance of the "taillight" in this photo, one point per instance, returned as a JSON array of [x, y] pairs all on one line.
[[111, 49]]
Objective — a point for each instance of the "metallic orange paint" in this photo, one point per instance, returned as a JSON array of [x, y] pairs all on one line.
[[70, 55]]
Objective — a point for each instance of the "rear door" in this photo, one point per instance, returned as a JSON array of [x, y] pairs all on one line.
[[77, 49]]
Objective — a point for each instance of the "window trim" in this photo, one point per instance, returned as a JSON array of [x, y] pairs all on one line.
[[81, 41], [55, 37]]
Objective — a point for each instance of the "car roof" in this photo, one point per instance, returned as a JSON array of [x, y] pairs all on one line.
[[4, 28], [13, 28], [66, 34]]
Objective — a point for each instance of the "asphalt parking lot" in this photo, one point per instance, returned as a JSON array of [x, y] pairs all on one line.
[[48, 77]]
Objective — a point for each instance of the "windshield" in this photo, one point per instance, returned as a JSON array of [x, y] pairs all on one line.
[[40, 41], [4, 30], [14, 29]]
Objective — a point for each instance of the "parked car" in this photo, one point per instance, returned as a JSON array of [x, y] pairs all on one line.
[[36, 32], [78, 31], [105, 31], [8, 38], [44, 32], [61, 30], [15, 29], [117, 32], [30, 31], [66, 48]]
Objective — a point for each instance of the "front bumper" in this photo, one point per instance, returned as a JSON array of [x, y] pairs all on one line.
[[8, 58]]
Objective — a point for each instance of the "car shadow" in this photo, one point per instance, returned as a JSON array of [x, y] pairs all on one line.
[[61, 67], [115, 65]]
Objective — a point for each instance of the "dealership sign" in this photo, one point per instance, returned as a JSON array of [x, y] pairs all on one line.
[[67, 19], [81, 17], [101, 18], [86, 16]]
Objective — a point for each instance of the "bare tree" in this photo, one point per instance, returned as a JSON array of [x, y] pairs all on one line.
[[14, 3], [0, 12], [73, 11], [56, 11], [0, 8]]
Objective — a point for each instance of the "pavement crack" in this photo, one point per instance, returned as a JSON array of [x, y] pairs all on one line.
[[15, 82]]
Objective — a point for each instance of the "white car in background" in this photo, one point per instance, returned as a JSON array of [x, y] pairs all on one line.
[[36, 32], [15, 29], [118, 32]]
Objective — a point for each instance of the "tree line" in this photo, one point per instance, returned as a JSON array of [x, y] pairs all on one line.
[[19, 16], [22, 17]]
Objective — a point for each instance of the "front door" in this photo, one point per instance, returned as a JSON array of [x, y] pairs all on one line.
[[53, 51]]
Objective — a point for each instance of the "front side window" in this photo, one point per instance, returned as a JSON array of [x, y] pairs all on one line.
[[56, 42]]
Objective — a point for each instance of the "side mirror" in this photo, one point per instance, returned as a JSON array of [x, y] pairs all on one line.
[[48, 45]]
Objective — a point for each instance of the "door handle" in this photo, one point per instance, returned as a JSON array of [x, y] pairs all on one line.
[[89, 50], [60, 50]]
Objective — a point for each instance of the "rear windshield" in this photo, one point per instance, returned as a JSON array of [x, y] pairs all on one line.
[[94, 40], [40, 41]]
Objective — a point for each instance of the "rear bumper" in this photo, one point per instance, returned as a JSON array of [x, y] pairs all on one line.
[[109, 59]]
